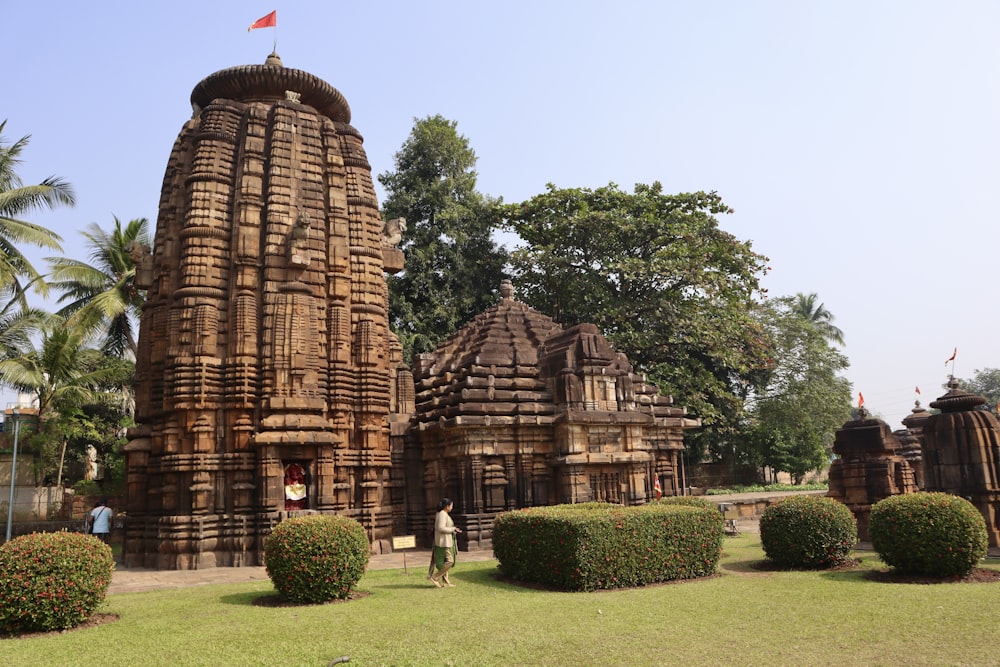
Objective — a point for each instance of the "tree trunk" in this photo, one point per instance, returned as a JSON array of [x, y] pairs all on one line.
[[62, 457]]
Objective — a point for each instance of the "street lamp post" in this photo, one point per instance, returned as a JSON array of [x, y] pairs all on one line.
[[13, 475]]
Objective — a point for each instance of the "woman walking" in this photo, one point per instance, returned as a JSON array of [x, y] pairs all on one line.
[[445, 547]]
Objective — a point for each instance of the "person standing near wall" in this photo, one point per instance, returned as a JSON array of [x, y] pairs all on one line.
[[100, 521]]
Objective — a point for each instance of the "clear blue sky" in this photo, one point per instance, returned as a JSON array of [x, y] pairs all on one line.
[[859, 142]]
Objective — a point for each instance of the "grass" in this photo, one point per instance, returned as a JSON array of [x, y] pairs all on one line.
[[744, 617]]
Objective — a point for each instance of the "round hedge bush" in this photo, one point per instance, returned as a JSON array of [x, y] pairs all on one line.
[[52, 581], [935, 534], [316, 558], [808, 532]]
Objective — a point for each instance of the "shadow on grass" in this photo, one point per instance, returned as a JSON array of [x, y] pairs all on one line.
[[245, 599], [742, 567], [757, 567], [271, 598]]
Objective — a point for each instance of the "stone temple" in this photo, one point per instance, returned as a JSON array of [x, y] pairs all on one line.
[[869, 467], [961, 454], [514, 411], [268, 383]]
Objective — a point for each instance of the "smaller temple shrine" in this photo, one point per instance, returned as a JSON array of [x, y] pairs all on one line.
[[869, 469], [911, 437], [516, 411], [962, 454]]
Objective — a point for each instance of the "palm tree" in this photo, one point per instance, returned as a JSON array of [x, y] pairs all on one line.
[[821, 318], [61, 371], [102, 296], [17, 199]]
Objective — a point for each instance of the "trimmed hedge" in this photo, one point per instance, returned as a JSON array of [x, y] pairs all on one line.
[[688, 501], [592, 546], [936, 534], [52, 581], [808, 532], [316, 558]]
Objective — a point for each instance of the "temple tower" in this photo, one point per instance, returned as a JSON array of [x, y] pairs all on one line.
[[962, 454], [912, 440], [264, 372], [869, 468]]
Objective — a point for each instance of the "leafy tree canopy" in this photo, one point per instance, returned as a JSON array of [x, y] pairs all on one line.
[[453, 265], [64, 375], [660, 279], [795, 415]]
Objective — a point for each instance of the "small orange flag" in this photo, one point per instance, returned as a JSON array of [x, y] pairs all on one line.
[[861, 400], [952, 357], [269, 21], [916, 389]]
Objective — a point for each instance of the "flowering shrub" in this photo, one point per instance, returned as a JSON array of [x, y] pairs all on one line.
[[808, 531], [316, 558], [52, 581], [593, 546], [935, 534]]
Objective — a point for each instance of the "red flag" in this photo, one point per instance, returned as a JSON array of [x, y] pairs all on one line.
[[861, 400], [916, 389], [952, 357], [269, 21], [657, 488]]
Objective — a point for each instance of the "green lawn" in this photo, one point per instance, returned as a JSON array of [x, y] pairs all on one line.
[[744, 617]]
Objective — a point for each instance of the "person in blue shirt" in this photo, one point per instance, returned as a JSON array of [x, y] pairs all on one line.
[[100, 521]]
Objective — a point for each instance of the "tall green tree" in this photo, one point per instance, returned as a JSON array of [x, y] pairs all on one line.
[[792, 420], [101, 296], [16, 201], [663, 282], [453, 264], [806, 306]]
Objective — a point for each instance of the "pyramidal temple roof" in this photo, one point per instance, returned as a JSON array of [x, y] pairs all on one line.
[[514, 365], [488, 368], [490, 339]]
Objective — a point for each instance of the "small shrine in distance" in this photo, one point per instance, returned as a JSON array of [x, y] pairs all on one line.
[[911, 437], [515, 411], [961, 453], [869, 468]]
